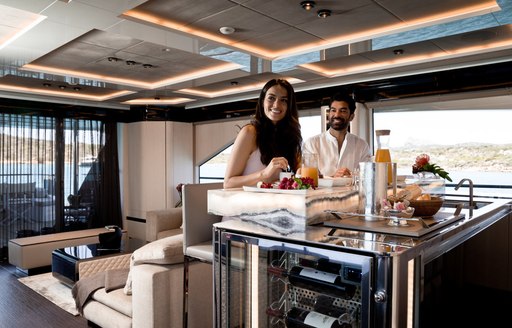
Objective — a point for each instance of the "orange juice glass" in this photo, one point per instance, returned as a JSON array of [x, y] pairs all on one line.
[[310, 172], [310, 167]]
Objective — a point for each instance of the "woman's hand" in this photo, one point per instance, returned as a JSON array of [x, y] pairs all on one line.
[[276, 165]]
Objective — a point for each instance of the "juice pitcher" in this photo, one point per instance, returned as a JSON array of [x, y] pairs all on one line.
[[382, 155]]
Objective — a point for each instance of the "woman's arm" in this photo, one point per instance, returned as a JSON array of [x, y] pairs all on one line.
[[245, 144]]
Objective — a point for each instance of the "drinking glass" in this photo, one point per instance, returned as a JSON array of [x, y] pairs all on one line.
[[310, 167]]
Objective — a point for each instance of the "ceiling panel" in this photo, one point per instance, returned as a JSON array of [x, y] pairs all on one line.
[[89, 56], [59, 88], [247, 23], [492, 36], [345, 22], [90, 44], [350, 21], [409, 11]]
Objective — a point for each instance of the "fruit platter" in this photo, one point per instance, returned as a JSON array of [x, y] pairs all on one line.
[[292, 185]]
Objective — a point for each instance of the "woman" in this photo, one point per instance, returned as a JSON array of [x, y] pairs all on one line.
[[272, 141]]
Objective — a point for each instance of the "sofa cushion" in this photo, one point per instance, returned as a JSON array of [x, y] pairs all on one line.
[[169, 233], [116, 300], [167, 250]]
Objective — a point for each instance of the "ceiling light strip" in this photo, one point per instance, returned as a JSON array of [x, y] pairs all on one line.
[[37, 20], [232, 90], [46, 92], [162, 101], [134, 83], [408, 60]]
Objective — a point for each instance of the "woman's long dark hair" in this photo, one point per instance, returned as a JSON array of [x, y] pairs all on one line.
[[284, 138]]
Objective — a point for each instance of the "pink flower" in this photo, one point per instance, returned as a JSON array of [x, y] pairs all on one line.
[[422, 160], [399, 206], [386, 203]]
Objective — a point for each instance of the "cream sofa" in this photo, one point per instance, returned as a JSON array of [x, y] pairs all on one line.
[[156, 276], [163, 223]]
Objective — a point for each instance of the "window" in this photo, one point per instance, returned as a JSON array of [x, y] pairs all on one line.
[[83, 141], [466, 143]]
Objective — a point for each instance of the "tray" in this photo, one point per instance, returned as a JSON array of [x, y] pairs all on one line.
[[412, 229]]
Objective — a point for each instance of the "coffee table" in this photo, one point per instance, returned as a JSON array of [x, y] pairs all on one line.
[[65, 261]]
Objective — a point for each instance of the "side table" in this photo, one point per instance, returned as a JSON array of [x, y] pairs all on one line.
[[65, 261]]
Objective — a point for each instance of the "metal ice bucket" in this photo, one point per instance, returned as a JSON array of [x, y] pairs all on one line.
[[373, 186]]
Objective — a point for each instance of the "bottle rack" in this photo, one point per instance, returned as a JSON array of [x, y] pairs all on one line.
[[293, 296]]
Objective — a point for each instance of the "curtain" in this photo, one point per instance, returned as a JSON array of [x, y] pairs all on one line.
[[27, 173], [56, 175], [107, 204]]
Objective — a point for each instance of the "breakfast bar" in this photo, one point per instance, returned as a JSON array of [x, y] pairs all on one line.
[[287, 212], [397, 276]]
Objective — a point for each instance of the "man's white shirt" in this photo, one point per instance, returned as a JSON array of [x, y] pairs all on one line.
[[353, 151]]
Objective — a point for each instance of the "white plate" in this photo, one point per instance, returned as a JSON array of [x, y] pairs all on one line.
[[278, 191], [334, 182]]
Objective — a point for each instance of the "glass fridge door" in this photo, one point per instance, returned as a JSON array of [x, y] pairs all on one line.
[[271, 283]]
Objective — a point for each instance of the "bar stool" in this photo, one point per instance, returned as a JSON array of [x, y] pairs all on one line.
[[197, 232]]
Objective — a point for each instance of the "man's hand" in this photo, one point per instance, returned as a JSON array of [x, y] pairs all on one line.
[[342, 172]]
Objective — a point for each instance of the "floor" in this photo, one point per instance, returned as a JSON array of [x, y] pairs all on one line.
[[20, 307]]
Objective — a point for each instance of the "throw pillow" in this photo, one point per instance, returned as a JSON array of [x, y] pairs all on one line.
[[167, 250]]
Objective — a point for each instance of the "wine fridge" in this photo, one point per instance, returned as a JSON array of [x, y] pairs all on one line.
[[265, 282]]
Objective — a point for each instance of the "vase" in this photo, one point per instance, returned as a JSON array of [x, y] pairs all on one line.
[[430, 183]]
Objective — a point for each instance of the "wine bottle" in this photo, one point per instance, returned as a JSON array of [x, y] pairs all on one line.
[[316, 280], [325, 305], [324, 264], [300, 318]]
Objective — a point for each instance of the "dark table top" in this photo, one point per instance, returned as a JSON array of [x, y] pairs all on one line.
[[79, 252]]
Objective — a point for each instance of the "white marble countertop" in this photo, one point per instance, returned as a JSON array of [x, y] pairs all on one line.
[[284, 212]]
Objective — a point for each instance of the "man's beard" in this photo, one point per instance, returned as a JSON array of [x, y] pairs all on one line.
[[343, 124]]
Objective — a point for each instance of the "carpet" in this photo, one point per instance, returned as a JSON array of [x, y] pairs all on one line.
[[52, 289]]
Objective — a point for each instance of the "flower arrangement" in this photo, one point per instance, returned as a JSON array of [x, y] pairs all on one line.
[[400, 209], [423, 164]]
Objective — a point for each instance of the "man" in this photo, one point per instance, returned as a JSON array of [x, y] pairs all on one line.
[[339, 151]]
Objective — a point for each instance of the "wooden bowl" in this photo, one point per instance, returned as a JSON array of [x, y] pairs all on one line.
[[425, 208]]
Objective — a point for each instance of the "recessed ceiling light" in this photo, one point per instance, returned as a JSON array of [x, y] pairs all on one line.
[[234, 82], [398, 51], [112, 59], [47, 85], [77, 88], [308, 5], [226, 30], [62, 87], [323, 13], [130, 62], [147, 65]]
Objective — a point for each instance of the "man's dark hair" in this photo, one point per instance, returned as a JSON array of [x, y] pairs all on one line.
[[342, 96]]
